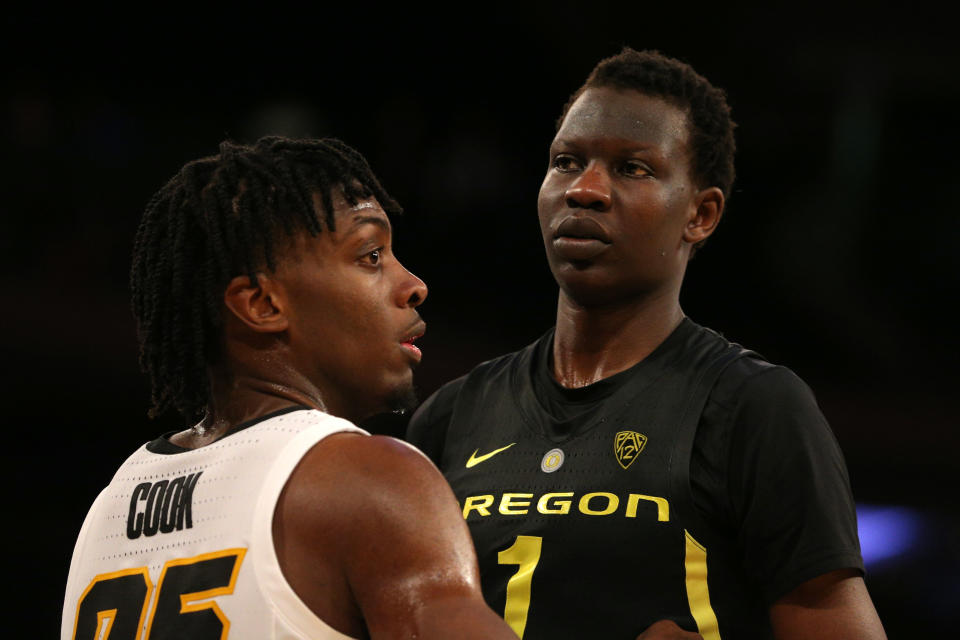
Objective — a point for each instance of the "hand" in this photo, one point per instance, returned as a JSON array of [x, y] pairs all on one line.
[[667, 630]]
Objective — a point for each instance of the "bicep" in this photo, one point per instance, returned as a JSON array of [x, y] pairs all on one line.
[[409, 559], [834, 605]]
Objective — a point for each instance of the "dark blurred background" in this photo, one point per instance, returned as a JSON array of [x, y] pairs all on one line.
[[836, 255]]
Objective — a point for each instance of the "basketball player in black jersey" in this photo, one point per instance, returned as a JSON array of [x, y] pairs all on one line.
[[632, 472]]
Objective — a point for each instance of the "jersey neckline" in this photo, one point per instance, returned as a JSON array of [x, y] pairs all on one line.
[[531, 375], [163, 446]]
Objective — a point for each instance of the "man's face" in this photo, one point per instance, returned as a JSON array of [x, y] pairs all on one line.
[[352, 310], [617, 197]]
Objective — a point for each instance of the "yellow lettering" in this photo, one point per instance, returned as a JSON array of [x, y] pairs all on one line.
[[598, 503], [559, 506], [511, 506], [478, 504], [663, 507], [612, 503]]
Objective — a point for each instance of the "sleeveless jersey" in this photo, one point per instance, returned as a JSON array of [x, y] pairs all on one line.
[[601, 519], [180, 544]]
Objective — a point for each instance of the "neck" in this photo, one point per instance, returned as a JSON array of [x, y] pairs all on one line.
[[245, 398], [239, 394], [593, 343]]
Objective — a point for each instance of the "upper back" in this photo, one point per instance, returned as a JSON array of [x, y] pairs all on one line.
[[195, 526]]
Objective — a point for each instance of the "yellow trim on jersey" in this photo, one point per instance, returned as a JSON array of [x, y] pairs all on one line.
[[110, 614], [475, 459], [698, 592], [188, 601]]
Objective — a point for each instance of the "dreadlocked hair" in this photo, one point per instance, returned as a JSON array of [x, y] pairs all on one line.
[[220, 217], [651, 73]]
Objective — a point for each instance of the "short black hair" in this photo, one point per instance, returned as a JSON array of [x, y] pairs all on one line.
[[654, 74], [220, 217]]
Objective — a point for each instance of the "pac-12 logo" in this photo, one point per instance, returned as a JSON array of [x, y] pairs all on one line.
[[627, 445]]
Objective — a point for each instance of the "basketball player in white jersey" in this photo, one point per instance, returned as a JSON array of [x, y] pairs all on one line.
[[273, 315]]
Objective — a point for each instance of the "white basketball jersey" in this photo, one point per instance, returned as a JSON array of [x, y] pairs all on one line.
[[180, 543]]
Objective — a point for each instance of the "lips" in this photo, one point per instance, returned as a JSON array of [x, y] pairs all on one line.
[[583, 228], [410, 336], [579, 239]]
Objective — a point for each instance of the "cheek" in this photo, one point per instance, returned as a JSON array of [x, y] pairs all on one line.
[[364, 314], [546, 201], [347, 310], [660, 212]]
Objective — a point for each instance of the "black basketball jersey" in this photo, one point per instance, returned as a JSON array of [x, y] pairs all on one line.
[[589, 530]]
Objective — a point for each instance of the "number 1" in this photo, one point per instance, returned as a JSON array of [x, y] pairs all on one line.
[[526, 553]]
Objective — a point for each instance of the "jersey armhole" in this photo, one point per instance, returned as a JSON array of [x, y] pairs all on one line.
[[286, 603]]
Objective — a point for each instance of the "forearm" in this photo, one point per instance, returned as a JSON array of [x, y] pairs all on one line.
[[832, 606], [464, 617]]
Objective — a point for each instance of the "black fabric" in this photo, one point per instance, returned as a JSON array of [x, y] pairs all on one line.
[[567, 408], [763, 483]]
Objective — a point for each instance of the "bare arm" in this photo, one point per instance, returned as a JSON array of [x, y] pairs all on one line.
[[667, 630], [371, 537], [834, 605]]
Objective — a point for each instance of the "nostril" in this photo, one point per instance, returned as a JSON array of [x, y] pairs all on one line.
[[417, 296], [594, 201]]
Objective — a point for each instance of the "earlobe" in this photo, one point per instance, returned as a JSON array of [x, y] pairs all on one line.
[[257, 305], [709, 210]]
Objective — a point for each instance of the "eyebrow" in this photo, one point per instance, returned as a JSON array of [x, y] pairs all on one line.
[[359, 220], [580, 141]]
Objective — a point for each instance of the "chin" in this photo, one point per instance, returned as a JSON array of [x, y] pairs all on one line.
[[399, 400], [403, 399], [587, 288]]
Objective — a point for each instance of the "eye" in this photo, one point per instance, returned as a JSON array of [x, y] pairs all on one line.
[[565, 163], [636, 169], [373, 258]]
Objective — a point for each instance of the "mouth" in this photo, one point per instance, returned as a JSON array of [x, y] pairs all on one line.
[[579, 238], [407, 342], [581, 228]]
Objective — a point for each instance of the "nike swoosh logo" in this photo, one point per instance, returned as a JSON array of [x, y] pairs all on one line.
[[475, 459]]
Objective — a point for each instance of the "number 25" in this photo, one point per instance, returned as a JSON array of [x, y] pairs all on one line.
[[114, 605]]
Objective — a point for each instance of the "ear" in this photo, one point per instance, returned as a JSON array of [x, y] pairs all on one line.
[[260, 306], [706, 216]]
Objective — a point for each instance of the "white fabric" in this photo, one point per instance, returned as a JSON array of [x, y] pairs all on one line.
[[232, 508]]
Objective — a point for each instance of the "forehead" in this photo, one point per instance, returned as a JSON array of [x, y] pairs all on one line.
[[624, 115], [344, 212], [350, 220]]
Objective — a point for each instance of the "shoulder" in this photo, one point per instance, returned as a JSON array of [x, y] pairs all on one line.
[[442, 400], [427, 428], [757, 405], [749, 379], [366, 528], [367, 491], [753, 379], [440, 403], [501, 367], [354, 464], [770, 402], [352, 493], [428, 425]]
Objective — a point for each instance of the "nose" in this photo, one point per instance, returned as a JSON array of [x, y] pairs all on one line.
[[412, 290], [590, 190]]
